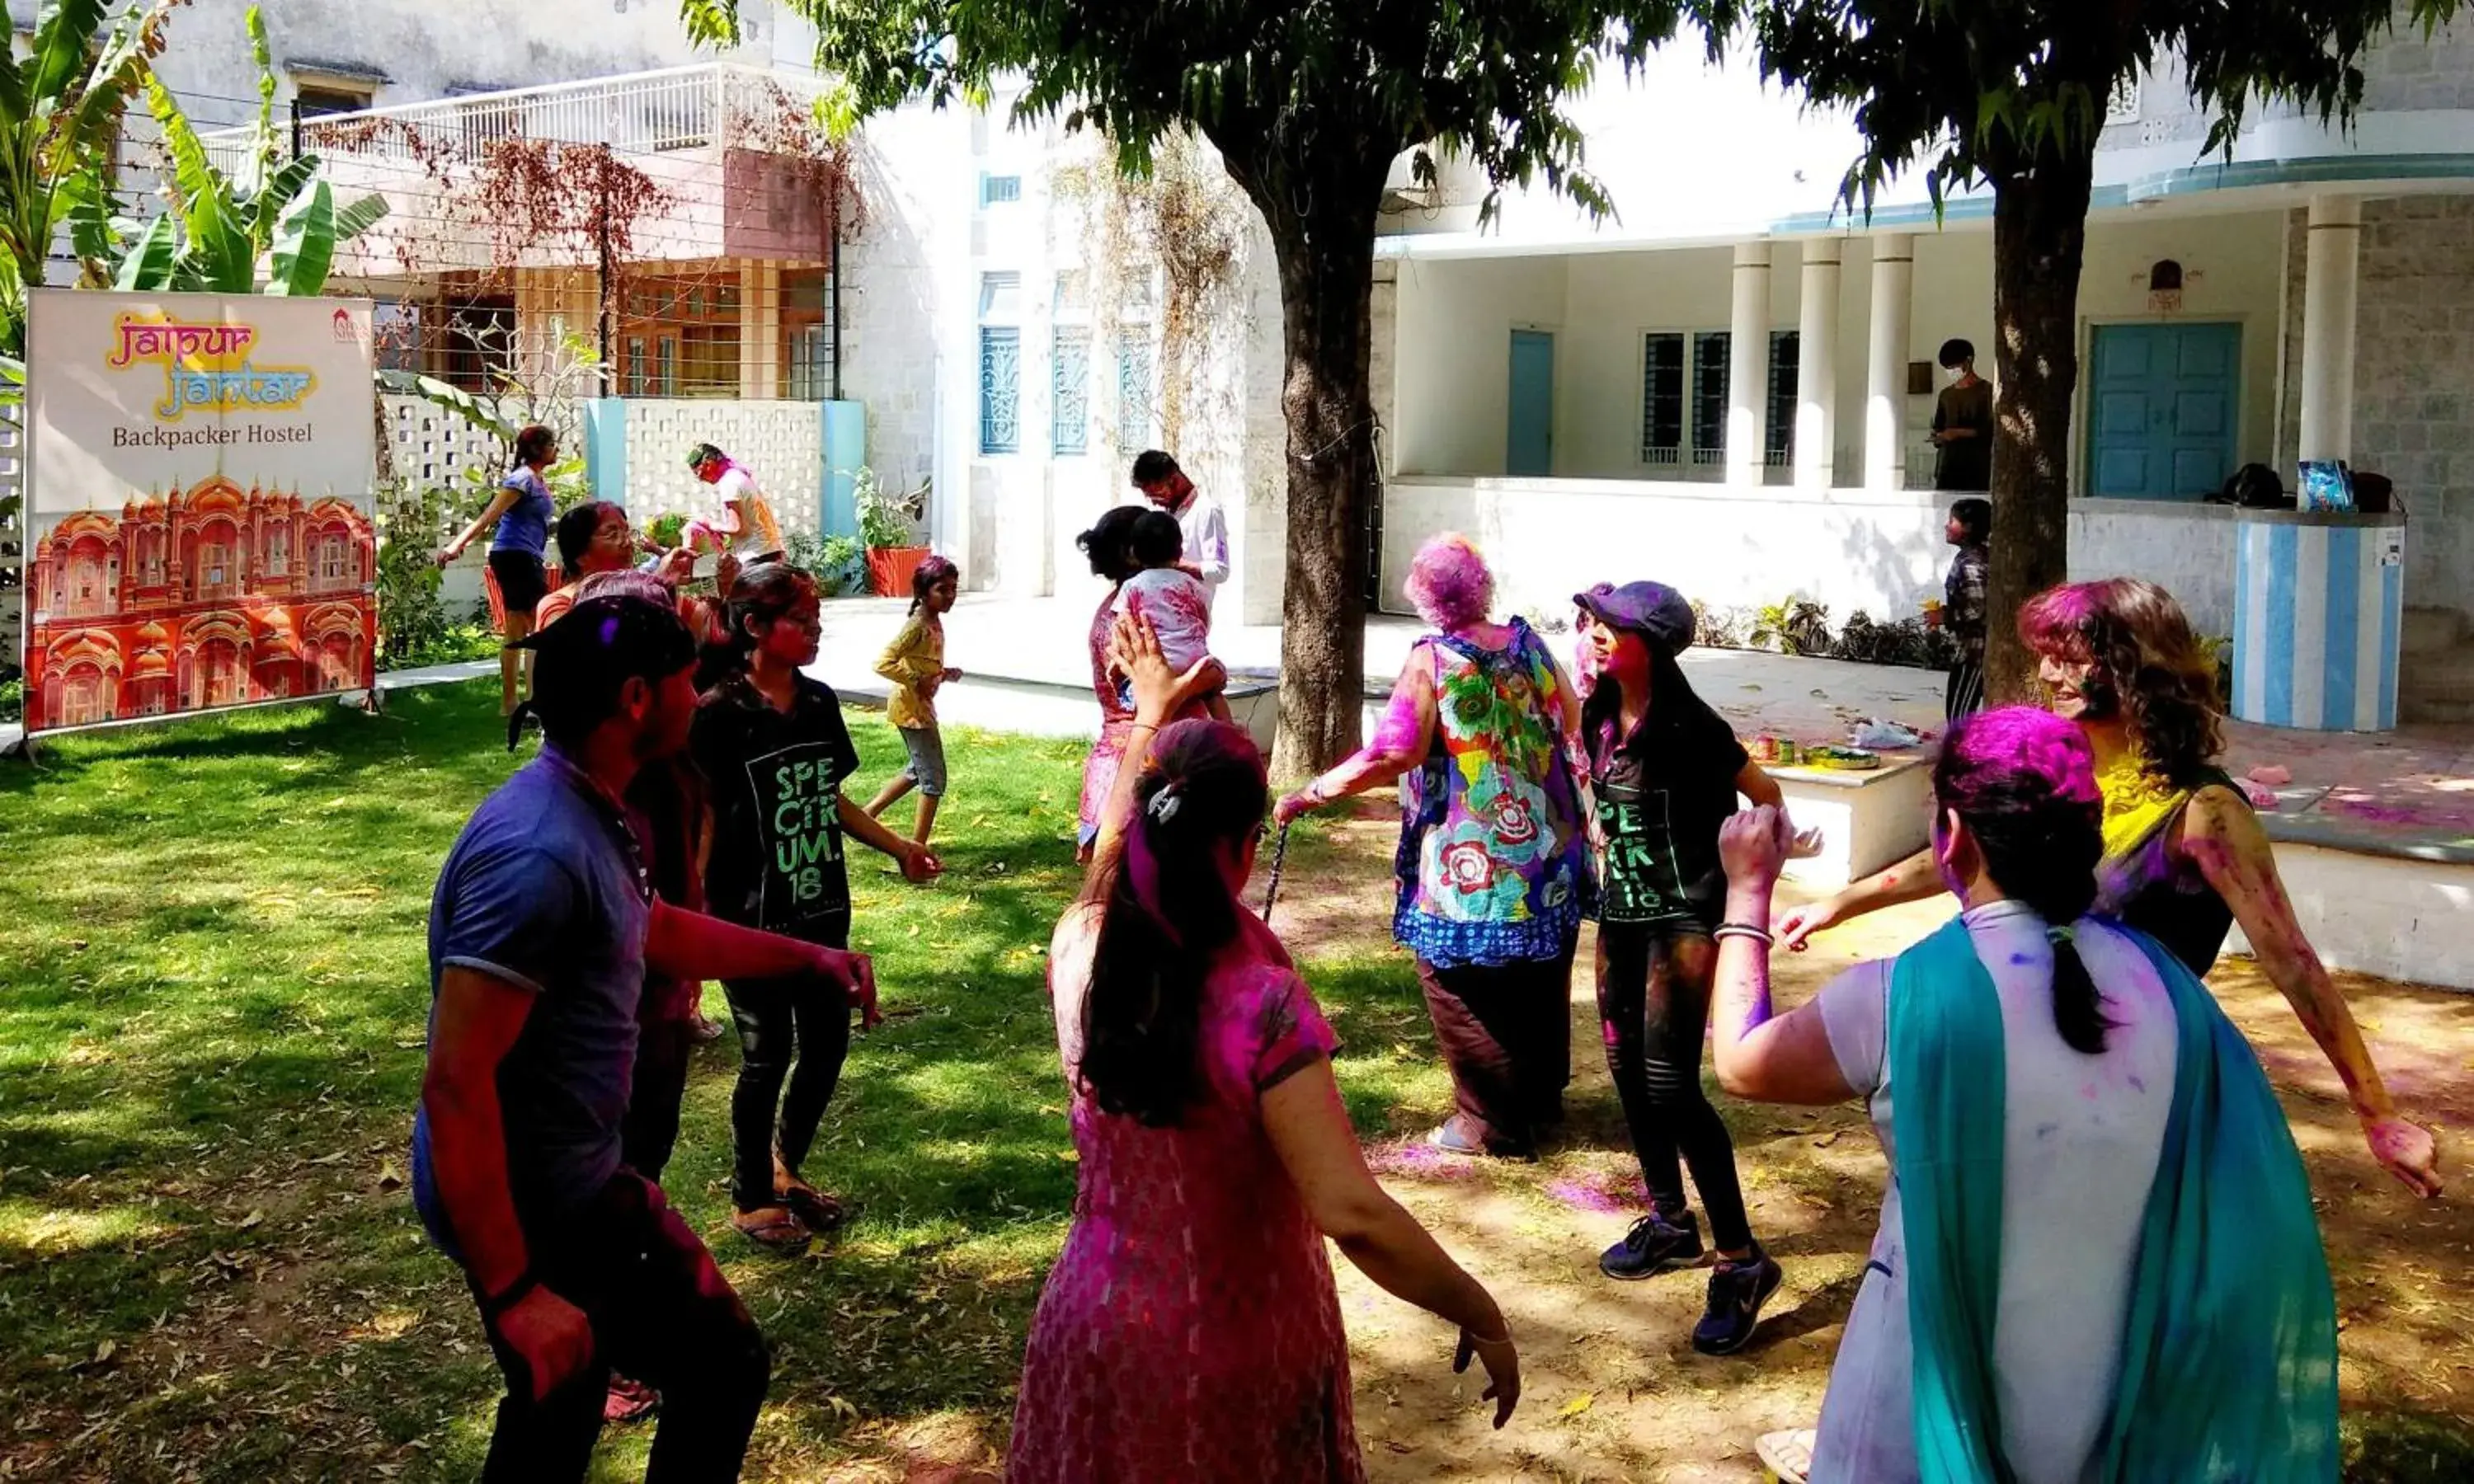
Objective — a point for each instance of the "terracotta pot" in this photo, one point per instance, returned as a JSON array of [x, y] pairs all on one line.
[[890, 568]]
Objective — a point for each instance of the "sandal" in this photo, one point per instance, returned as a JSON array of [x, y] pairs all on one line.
[[628, 1401], [1448, 1138], [821, 1212], [785, 1234], [1787, 1455]]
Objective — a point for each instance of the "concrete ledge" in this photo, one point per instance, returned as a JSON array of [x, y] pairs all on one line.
[[1868, 820], [2392, 916]]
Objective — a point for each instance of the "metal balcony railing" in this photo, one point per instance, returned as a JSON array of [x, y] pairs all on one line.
[[692, 108]]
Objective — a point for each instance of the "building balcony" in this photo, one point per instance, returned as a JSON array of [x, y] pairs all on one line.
[[715, 161]]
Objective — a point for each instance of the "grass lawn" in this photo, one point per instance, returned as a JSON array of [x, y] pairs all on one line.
[[212, 995], [211, 938]]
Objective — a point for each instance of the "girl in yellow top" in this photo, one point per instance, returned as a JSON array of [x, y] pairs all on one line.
[[915, 663]]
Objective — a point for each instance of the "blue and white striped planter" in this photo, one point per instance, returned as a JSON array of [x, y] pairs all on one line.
[[2319, 615]]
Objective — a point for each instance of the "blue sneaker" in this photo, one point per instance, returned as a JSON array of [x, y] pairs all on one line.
[[1653, 1246], [1737, 1290]]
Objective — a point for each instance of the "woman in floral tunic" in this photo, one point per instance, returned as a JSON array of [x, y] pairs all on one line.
[[1494, 862]]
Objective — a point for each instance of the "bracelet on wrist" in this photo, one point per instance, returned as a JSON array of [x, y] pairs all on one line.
[[1727, 930], [509, 1297]]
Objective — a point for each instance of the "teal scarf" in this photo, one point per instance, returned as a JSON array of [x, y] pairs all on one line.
[[2230, 1349]]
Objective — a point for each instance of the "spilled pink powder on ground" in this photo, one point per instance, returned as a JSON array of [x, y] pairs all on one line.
[[1602, 1194], [1417, 1159]]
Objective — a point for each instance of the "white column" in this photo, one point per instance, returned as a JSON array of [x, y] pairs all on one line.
[[1748, 370], [1885, 362], [1816, 368], [2329, 286]]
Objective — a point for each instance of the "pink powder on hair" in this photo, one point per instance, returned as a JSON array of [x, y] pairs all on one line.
[[1449, 582], [2025, 740]]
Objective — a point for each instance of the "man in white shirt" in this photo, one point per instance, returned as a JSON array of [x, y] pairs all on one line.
[[1199, 516]]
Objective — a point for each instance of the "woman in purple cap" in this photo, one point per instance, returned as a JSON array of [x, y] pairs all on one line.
[[1494, 862], [1666, 769]]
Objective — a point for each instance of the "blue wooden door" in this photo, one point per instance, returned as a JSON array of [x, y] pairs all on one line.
[[1529, 449], [2161, 409]]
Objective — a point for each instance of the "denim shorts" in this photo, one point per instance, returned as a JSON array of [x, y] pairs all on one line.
[[927, 750]]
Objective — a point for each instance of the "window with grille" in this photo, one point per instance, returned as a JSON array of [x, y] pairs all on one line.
[[1778, 445], [1134, 403], [1000, 389], [808, 347], [1070, 392], [1000, 190], [1713, 351], [680, 336], [1661, 398]]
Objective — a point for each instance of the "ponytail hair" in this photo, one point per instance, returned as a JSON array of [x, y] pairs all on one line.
[[932, 571], [1167, 915], [2024, 782], [762, 594]]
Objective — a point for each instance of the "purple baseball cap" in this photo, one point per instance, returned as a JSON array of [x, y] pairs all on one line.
[[1658, 614]]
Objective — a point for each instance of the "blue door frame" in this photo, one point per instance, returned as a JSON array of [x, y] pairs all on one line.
[[2164, 407], [1529, 442]]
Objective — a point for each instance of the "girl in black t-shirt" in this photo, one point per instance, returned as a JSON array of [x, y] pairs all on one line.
[[771, 743], [1665, 769]]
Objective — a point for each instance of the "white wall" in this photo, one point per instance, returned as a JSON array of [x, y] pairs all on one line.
[[1850, 549], [1454, 357], [1548, 539]]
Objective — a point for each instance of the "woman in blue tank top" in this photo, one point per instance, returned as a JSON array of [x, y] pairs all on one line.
[[520, 513]]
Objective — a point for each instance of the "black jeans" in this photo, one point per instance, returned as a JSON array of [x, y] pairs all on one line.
[[661, 1313], [1506, 1034], [793, 1031], [664, 1048], [1654, 1011]]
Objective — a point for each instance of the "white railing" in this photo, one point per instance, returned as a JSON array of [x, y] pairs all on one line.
[[675, 108]]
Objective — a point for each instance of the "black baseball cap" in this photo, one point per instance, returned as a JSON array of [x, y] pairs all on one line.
[[1658, 614]]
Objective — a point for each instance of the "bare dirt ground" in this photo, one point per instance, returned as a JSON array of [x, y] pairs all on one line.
[[1613, 1388]]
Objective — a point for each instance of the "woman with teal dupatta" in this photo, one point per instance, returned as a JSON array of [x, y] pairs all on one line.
[[2098, 1258]]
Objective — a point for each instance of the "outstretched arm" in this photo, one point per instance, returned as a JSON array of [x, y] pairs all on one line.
[[685, 945], [2223, 839], [1912, 879], [1783, 1060], [1400, 743]]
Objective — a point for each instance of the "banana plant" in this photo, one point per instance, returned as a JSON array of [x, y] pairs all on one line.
[[272, 226], [60, 107]]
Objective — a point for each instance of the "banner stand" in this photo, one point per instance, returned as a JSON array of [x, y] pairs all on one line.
[[200, 515]]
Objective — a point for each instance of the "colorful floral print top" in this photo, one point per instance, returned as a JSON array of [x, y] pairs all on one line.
[[1493, 865]]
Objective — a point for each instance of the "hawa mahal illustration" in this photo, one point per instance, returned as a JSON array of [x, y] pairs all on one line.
[[216, 596]]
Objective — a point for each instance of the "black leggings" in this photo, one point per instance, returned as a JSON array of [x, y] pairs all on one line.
[[789, 1030], [1654, 1011]]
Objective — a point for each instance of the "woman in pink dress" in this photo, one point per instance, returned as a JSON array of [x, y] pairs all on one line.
[[1105, 544], [1189, 1331]]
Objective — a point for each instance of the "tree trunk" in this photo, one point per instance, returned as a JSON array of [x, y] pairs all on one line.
[[2039, 240], [1322, 216]]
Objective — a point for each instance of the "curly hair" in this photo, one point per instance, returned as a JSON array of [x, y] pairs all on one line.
[[1449, 584], [2143, 655]]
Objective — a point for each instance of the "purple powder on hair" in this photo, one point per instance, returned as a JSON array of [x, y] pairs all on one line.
[[2024, 739]]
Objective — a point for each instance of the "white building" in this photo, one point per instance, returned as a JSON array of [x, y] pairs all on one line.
[[1727, 386]]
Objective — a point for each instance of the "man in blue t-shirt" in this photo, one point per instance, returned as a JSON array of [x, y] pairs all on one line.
[[543, 930]]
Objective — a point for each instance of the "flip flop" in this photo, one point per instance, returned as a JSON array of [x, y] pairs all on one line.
[[821, 1213], [628, 1401], [1787, 1455], [1448, 1138], [785, 1235]]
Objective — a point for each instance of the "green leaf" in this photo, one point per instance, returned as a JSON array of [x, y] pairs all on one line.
[[305, 245], [267, 206], [147, 267], [64, 37], [219, 255], [359, 217]]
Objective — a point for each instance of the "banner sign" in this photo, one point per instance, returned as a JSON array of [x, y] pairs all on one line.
[[199, 503]]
